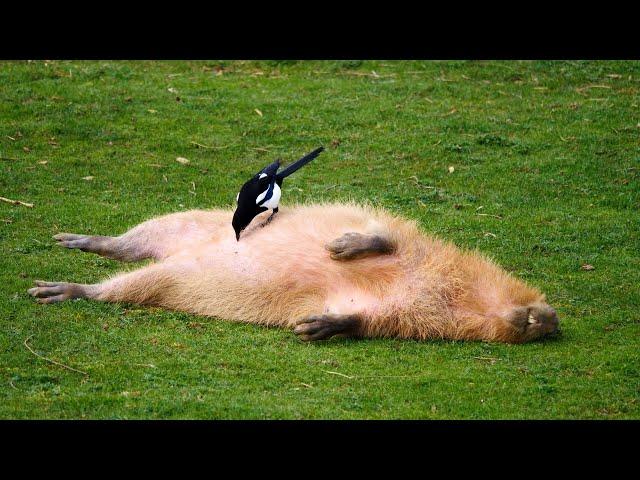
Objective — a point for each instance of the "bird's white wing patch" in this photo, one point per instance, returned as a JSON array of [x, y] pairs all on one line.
[[261, 196], [262, 175], [275, 198], [237, 197]]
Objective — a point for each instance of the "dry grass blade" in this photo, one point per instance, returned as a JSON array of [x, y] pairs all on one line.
[[26, 344], [487, 359], [416, 180], [209, 146], [372, 74], [587, 87], [337, 373], [408, 375]]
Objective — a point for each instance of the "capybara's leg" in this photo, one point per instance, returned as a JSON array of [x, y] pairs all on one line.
[[115, 248], [156, 238], [323, 327], [52, 292], [151, 285], [355, 245]]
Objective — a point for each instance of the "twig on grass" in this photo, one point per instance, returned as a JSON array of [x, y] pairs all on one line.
[[16, 202], [49, 360]]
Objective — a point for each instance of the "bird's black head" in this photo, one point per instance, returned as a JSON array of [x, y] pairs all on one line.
[[247, 208], [242, 217]]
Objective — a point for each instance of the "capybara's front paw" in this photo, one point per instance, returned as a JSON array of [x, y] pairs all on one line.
[[534, 321], [354, 245], [346, 247], [51, 292]]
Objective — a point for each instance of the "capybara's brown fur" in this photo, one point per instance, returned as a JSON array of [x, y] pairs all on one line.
[[325, 270]]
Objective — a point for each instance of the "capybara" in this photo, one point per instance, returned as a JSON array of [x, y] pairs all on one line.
[[324, 270]]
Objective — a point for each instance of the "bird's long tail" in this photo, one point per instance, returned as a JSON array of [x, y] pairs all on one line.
[[299, 164]]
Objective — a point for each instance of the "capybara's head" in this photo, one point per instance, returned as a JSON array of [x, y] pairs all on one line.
[[531, 322]]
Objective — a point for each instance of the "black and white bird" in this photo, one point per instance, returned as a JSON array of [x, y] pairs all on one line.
[[263, 191]]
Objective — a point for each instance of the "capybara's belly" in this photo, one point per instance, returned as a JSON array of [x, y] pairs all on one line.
[[289, 256]]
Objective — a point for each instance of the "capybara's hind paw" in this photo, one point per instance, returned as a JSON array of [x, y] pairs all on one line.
[[323, 327], [534, 321], [52, 292]]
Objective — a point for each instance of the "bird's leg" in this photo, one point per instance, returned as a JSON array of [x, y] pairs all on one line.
[[268, 220]]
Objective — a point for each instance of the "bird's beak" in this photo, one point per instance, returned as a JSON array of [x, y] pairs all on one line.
[[238, 235]]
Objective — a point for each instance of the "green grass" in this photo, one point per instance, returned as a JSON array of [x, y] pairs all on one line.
[[552, 148]]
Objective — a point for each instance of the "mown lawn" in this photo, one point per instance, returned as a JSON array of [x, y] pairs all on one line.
[[545, 179]]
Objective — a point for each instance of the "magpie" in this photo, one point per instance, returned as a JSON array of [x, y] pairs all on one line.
[[262, 192]]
